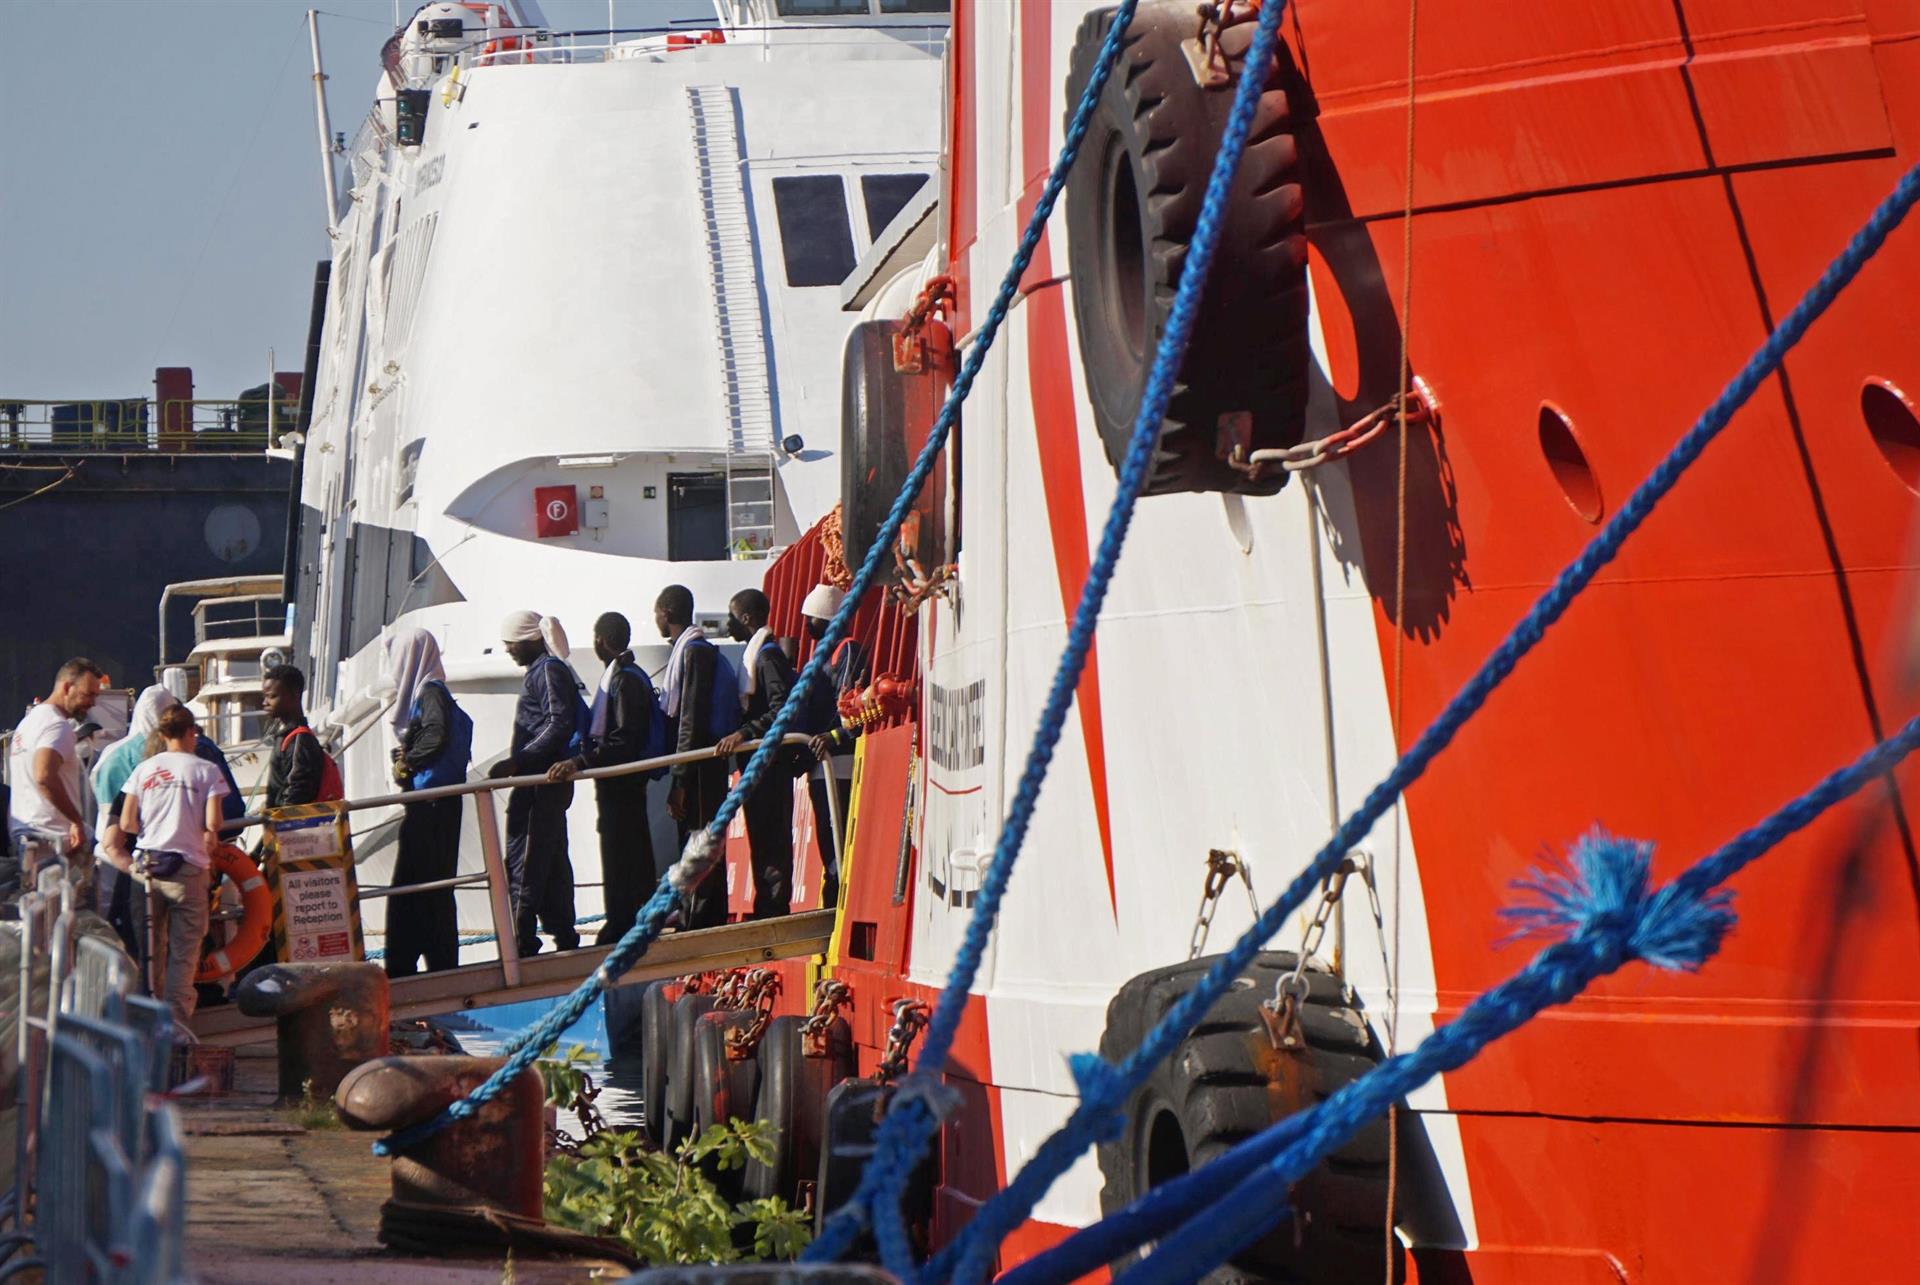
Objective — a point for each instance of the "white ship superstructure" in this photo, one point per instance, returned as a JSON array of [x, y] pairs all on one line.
[[604, 263]]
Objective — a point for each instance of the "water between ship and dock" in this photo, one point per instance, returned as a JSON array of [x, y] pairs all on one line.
[[484, 1032]]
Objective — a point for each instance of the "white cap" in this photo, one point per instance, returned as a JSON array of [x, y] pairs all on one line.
[[823, 602]]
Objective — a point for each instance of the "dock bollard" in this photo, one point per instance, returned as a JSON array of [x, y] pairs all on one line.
[[497, 1157], [332, 1017]]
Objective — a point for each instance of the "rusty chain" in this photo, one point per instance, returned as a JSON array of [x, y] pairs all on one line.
[[830, 995], [756, 990], [1282, 1012], [1222, 865], [909, 1019]]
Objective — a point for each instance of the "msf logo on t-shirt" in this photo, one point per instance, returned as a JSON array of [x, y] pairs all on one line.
[[160, 776]]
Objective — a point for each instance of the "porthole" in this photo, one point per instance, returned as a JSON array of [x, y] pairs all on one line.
[[1895, 428], [1567, 460]]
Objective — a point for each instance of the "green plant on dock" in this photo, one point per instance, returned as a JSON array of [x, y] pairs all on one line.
[[312, 1112], [664, 1208]]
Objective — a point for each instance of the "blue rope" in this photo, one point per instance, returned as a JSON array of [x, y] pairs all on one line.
[[1608, 916], [525, 1049], [911, 1121], [1104, 1088]]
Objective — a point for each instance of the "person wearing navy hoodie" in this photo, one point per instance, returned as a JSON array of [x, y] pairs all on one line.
[[545, 725], [767, 677]]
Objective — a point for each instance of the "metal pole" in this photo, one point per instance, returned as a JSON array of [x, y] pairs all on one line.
[[497, 888], [1326, 710], [273, 387], [324, 125]]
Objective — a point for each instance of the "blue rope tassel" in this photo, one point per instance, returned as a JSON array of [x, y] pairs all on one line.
[[903, 1136], [701, 849], [1104, 1087], [1608, 917]]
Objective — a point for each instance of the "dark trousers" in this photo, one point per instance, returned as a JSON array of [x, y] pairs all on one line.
[[626, 853], [538, 865], [115, 891], [706, 787], [425, 923], [823, 834], [769, 812]]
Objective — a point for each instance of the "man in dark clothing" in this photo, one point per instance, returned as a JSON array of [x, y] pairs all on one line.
[[767, 677], [622, 716], [544, 722], [695, 790], [847, 671], [299, 771]]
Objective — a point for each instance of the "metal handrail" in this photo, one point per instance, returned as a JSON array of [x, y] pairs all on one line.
[[494, 874]]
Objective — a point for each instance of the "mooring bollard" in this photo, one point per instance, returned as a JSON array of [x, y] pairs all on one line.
[[497, 1157], [333, 1017]]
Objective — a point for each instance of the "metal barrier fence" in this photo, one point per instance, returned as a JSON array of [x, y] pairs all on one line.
[[119, 426], [98, 1192]]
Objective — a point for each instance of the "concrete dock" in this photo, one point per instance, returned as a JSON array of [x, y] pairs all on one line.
[[270, 1199]]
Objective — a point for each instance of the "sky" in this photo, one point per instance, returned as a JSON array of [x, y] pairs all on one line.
[[160, 192]]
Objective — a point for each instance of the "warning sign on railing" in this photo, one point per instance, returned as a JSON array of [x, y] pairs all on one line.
[[316, 901]]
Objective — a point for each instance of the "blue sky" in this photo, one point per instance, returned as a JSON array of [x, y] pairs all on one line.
[[159, 186]]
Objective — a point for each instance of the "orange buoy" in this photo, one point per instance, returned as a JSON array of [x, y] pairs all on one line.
[[256, 900]]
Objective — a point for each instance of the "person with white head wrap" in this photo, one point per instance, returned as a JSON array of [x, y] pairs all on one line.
[[832, 739], [550, 724], [434, 743]]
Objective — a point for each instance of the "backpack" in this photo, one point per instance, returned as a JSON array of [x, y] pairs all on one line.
[[582, 716], [330, 787], [451, 767], [723, 712], [654, 744]]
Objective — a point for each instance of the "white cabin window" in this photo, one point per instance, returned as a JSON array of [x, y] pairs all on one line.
[[916, 6], [816, 241], [822, 8]]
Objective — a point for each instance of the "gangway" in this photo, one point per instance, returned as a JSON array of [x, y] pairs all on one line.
[[510, 977]]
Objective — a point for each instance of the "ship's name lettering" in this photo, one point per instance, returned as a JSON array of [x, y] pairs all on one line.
[[432, 172], [957, 723]]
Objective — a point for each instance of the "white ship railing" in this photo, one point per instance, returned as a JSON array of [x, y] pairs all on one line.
[[493, 875]]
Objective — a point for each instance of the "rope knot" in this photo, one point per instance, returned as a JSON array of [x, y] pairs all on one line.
[[694, 863], [939, 1099], [1599, 893], [1102, 1092]]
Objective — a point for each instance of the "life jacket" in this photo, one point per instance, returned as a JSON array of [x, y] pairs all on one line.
[[582, 716], [330, 787], [450, 768]]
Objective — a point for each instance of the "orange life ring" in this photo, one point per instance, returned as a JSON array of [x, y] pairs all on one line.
[[256, 925]]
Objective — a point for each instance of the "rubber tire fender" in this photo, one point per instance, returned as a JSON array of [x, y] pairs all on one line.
[[793, 1099], [656, 1051], [678, 1116], [723, 1089], [875, 455], [1225, 1082], [1133, 200]]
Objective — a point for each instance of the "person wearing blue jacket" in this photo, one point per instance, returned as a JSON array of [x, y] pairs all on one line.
[[434, 743], [547, 728]]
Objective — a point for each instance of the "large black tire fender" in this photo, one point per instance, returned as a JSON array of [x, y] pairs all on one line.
[[687, 1011], [723, 1088], [793, 1099], [656, 1051], [1133, 200], [1225, 1082]]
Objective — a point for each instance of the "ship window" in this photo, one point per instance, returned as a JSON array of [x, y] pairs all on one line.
[[822, 8], [815, 237], [409, 470], [885, 196], [915, 6]]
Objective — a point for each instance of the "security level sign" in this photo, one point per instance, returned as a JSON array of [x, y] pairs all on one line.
[[316, 902]]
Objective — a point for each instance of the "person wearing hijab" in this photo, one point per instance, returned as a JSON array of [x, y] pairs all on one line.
[[623, 715], [549, 724], [434, 743], [767, 677]]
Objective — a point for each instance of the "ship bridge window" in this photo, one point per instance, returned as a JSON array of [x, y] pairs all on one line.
[[815, 238], [885, 195], [822, 8], [915, 6]]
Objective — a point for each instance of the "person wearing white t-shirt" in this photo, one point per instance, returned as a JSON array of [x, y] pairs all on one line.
[[43, 762], [172, 809]]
